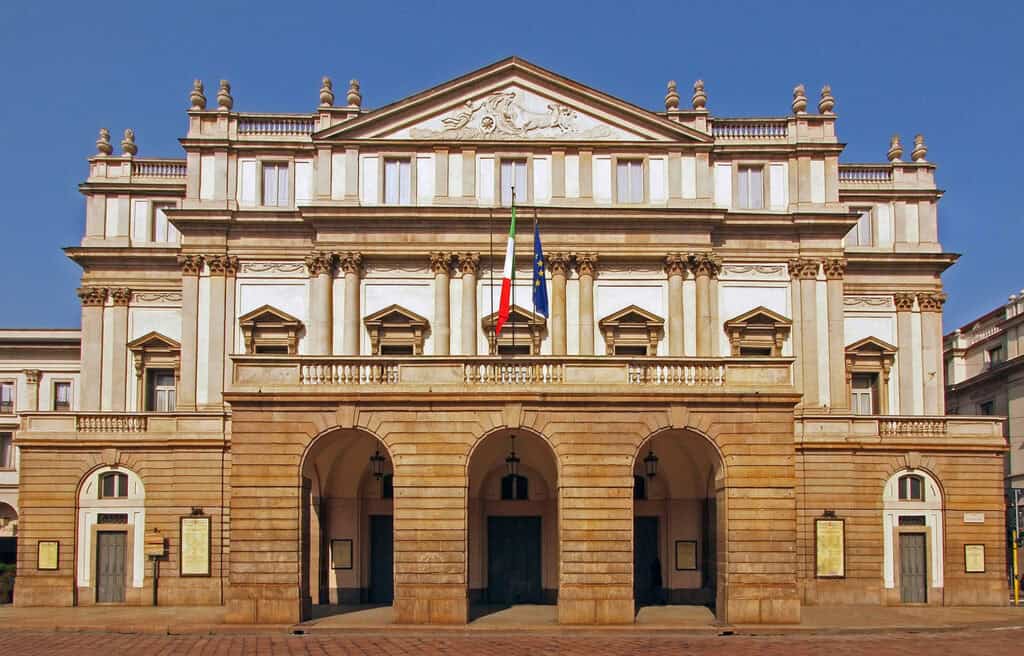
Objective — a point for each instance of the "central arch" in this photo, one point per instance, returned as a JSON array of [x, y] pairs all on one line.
[[679, 479], [512, 495]]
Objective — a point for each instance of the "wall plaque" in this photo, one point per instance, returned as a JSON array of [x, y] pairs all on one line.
[[195, 546], [341, 553], [48, 555], [974, 558], [974, 518], [686, 555], [830, 547]]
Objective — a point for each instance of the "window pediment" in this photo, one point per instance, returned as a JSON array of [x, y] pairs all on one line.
[[155, 350], [522, 328], [269, 328], [396, 328], [758, 330], [632, 327], [871, 355]]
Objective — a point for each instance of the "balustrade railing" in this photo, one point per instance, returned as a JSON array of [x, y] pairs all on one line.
[[276, 125], [158, 168], [349, 373], [911, 427], [110, 423], [865, 173], [749, 128]]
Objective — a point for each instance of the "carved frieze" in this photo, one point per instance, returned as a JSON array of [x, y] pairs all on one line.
[[869, 302], [753, 272], [272, 267]]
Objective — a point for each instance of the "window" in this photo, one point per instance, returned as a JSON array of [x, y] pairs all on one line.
[[269, 330], [639, 487], [387, 486], [988, 408], [395, 330], [631, 331], [6, 398], [629, 180], [270, 349], [275, 184], [751, 182], [862, 399], [513, 174], [513, 349], [911, 488], [6, 451], [161, 228], [862, 234], [993, 356], [757, 351], [113, 485], [626, 349], [62, 396], [397, 182], [514, 487], [912, 520], [160, 394], [397, 349]]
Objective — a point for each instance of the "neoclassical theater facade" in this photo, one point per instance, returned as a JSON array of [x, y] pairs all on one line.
[[291, 392]]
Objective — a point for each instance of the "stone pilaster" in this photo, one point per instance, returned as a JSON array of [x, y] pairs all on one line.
[[931, 351], [120, 298], [31, 402], [586, 265], [806, 273], [558, 265], [704, 267], [222, 268], [834, 269], [321, 282], [675, 269], [90, 380], [351, 265], [904, 351], [441, 265], [469, 265]]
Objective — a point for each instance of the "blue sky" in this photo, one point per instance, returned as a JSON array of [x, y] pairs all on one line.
[[950, 70]]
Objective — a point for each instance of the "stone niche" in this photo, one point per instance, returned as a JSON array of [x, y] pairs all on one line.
[[759, 331]]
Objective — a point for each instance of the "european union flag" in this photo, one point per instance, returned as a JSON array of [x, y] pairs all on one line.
[[540, 275]]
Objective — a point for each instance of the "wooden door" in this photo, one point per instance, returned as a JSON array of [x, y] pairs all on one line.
[[382, 559], [110, 566], [305, 601], [514, 560], [913, 569], [647, 567]]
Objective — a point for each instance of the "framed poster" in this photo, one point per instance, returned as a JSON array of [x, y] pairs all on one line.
[[341, 553], [686, 555], [830, 548], [48, 555], [974, 558], [195, 546]]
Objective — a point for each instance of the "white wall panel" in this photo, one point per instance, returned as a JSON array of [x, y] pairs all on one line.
[[337, 175], [247, 169], [612, 297], [425, 179], [602, 180], [690, 317], [454, 175], [541, 179], [417, 296], [817, 181], [485, 179], [689, 177], [303, 181], [572, 176], [723, 185], [883, 216], [736, 298], [778, 192], [368, 175], [910, 215], [207, 177], [658, 179], [290, 297], [140, 221]]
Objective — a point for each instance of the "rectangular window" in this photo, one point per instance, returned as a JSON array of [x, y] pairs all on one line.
[[275, 184], [988, 408], [751, 181], [514, 349], [7, 398], [62, 396], [862, 394], [629, 180], [397, 182], [993, 356], [912, 520], [513, 174], [162, 230], [6, 451], [630, 349], [160, 395], [862, 234]]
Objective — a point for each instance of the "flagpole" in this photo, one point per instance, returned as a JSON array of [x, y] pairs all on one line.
[[533, 296], [490, 233], [512, 299]]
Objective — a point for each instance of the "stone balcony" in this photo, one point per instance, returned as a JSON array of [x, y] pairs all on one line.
[[501, 374], [121, 428], [898, 431]]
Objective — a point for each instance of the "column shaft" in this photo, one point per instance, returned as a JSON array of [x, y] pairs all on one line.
[[675, 267], [558, 264], [191, 266], [351, 264], [221, 267], [904, 351], [809, 340], [834, 269], [319, 330], [469, 264], [93, 299], [586, 263], [441, 263], [931, 352], [119, 357]]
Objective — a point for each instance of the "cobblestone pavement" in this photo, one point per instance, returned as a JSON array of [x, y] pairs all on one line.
[[990, 642]]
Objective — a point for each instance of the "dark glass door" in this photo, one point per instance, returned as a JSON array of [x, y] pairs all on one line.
[[646, 565], [514, 560], [382, 559]]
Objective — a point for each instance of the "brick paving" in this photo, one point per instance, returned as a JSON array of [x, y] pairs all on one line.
[[990, 642]]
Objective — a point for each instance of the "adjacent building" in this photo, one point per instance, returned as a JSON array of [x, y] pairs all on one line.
[[292, 390]]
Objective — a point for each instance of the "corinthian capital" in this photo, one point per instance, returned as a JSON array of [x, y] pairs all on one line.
[[191, 265], [469, 263], [904, 302], [222, 265], [704, 264], [586, 263], [803, 269], [350, 262], [121, 296], [931, 301], [834, 268], [558, 263], [93, 296], [319, 262], [675, 265], [441, 262]]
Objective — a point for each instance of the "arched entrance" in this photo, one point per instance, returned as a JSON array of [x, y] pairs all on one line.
[[346, 524], [912, 538], [111, 527], [513, 522], [8, 535], [677, 479]]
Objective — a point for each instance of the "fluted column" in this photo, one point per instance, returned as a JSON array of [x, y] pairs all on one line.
[[440, 264], [351, 265], [321, 278], [904, 351], [120, 298], [469, 265], [222, 267], [806, 271], [931, 351], [586, 265], [90, 380], [191, 267], [675, 268], [834, 270], [704, 267], [558, 265]]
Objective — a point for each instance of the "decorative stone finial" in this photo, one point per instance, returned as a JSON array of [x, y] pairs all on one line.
[[700, 99], [103, 146], [827, 102], [354, 98], [326, 93], [224, 100], [197, 98], [672, 97], [799, 99], [128, 147], [920, 150], [895, 149]]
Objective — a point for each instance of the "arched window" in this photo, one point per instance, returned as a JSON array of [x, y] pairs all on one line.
[[515, 487], [911, 488], [639, 487], [113, 485]]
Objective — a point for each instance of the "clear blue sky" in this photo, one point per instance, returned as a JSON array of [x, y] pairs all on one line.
[[950, 70]]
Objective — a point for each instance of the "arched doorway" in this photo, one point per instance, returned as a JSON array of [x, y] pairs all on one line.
[[111, 529], [513, 522], [346, 524], [912, 538], [8, 535], [677, 480]]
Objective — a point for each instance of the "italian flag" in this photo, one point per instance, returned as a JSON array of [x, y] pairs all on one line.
[[508, 274]]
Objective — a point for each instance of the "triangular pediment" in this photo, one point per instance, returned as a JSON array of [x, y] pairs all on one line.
[[631, 314], [871, 344], [759, 316], [268, 314], [395, 315], [513, 100], [153, 341], [516, 315]]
